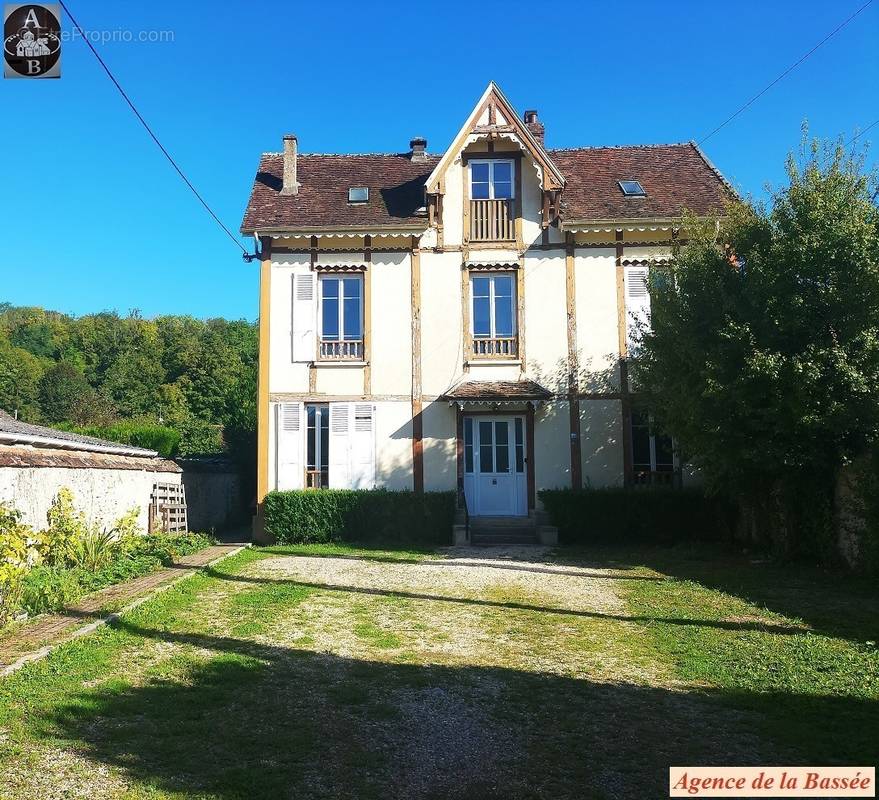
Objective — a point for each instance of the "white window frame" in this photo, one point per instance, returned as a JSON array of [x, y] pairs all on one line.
[[492, 300], [340, 277], [491, 162], [651, 434]]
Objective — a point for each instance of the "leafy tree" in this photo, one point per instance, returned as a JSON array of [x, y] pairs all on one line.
[[763, 358], [62, 388], [20, 373]]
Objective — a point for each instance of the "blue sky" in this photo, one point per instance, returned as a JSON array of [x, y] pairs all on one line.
[[93, 218]]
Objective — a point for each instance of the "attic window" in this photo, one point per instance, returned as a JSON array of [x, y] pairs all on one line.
[[632, 188], [358, 194]]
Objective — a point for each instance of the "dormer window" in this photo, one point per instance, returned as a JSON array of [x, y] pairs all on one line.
[[358, 194], [491, 179], [632, 188]]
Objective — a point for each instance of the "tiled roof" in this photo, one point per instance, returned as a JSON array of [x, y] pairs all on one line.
[[675, 177], [14, 430], [396, 191], [498, 390], [19, 456]]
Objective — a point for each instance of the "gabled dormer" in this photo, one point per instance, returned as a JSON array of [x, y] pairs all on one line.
[[494, 176]]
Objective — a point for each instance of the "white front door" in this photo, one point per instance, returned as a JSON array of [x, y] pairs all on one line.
[[494, 465]]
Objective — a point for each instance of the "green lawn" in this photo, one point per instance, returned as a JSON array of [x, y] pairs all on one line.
[[334, 672]]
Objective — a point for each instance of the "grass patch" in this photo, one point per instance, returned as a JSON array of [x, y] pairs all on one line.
[[812, 677]]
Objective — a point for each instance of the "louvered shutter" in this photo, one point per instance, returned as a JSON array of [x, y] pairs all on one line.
[[288, 449], [340, 445], [304, 316], [637, 305], [362, 451]]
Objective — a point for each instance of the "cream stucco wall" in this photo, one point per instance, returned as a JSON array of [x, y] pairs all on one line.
[[601, 442], [103, 495], [597, 336]]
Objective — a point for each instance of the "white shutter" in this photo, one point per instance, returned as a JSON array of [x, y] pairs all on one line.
[[362, 463], [637, 305], [304, 316], [288, 445], [340, 446]]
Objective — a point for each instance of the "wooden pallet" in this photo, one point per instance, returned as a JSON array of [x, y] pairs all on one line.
[[168, 509]]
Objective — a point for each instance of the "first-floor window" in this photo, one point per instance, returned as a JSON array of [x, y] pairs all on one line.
[[341, 316], [317, 446], [652, 453], [494, 315]]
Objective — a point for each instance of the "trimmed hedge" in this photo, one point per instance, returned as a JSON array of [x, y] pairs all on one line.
[[149, 435], [344, 515], [659, 515]]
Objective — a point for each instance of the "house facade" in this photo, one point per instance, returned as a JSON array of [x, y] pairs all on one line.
[[462, 321]]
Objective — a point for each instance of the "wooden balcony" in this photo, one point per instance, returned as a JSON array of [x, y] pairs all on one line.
[[335, 350], [492, 221], [317, 479], [495, 348], [644, 476]]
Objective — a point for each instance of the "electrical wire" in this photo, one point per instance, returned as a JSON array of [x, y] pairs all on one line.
[[784, 74], [149, 130]]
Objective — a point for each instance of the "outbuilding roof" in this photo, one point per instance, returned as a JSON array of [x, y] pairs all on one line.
[[14, 431]]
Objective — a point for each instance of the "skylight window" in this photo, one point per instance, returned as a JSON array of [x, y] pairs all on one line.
[[632, 188], [358, 194]]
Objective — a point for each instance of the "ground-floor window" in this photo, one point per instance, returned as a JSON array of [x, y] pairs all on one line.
[[653, 459], [317, 459]]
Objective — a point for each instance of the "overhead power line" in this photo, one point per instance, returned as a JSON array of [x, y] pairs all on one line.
[[149, 130], [859, 134], [784, 74]]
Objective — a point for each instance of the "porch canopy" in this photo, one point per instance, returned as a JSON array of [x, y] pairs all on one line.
[[497, 394]]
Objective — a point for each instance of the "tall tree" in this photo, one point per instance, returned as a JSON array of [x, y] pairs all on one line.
[[763, 358]]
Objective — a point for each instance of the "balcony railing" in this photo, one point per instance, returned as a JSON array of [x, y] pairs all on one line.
[[644, 476], [348, 350], [507, 347], [492, 221], [317, 478]]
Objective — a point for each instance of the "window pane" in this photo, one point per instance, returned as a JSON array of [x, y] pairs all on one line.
[[481, 317], [502, 446], [664, 453], [520, 446], [503, 190], [468, 458], [330, 287], [353, 328], [640, 445], [311, 439], [485, 447], [325, 439], [479, 191], [468, 430], [503, 172], [330, 318], [479, 171], [503, 316], [468, 444], [481, 287]]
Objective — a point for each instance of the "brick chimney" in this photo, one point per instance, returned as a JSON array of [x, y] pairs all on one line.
[[418, 146], [535, 126], [290, 184]]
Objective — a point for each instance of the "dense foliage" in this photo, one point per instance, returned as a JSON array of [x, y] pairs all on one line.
[[44, 570], [120, 377], [616, 515], [333, 515], [763, 358]]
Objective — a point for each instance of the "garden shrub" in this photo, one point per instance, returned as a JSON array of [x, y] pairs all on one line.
[[136, 433], [66, 526], [658, 515], [380, 516], [17, 552]]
